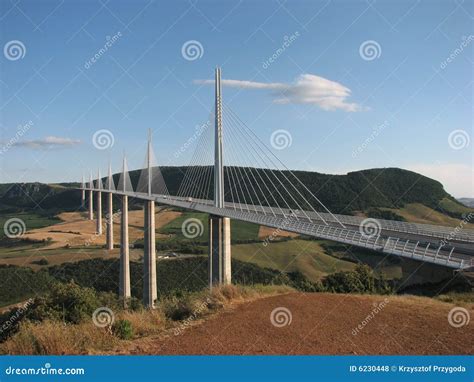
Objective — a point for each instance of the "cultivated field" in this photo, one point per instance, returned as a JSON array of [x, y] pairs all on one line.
[[321, 323]]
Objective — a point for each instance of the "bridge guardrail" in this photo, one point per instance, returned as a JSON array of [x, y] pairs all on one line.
[[390, 245]]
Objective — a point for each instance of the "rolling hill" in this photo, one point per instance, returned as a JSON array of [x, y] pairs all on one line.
[[373, 191]]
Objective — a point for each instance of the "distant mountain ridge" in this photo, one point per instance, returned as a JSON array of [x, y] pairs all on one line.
[[355, 191], [468, 202]]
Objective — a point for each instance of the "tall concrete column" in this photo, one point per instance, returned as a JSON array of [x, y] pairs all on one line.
[[83, 193], [219, 251], [98, 229], [124, 284], [91, 205], [149, 259], [110, 222], [219, 227]]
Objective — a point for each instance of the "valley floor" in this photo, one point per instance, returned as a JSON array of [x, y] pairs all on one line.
[[320, 324]]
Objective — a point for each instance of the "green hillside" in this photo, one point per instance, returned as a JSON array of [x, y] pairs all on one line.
[[384, 188]]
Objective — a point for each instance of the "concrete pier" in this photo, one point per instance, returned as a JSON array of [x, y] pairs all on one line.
[[149, 258], [91, 205], [98, 229], [124, 284], [219, 251], [110, 222]]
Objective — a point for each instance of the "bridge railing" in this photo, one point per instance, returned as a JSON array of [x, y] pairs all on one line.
[[390, 245]]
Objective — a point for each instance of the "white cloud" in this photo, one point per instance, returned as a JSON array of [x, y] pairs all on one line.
[[307, 89], [457, 178], [46, 143]]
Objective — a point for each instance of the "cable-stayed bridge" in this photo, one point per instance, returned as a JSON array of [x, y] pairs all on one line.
[[234, 175]]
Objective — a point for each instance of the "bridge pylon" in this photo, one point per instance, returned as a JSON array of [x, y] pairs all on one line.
[[219, 227], [83, 192], [149, 259], [91, 199], [110, 212], [124, 283], [98, 229]]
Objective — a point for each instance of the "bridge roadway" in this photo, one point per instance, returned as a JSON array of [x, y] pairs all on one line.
[[410, 240]]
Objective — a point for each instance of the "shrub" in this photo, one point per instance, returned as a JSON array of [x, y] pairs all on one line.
[[65, 302], [177, 309], [123, 329], [50, 337], [361, 280], [300, 282], [40, 262]]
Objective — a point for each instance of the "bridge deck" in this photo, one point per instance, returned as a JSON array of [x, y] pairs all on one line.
[[392, 238]]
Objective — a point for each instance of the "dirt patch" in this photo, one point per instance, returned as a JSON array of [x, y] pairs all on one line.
[[265, 232], [322, 324], [76, 230]]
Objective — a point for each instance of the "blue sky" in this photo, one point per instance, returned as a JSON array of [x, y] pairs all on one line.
[[404, 101]]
